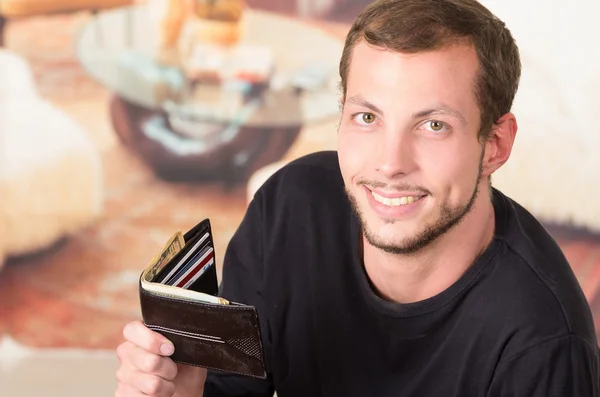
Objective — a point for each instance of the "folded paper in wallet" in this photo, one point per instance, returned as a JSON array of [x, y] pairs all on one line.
[[178, 298]]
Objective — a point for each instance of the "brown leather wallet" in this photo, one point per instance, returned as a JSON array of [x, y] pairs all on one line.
[[178, 298]]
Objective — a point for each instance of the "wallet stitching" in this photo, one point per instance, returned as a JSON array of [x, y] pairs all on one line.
[[208, 338]]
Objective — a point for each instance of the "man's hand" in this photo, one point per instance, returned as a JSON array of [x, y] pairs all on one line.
[[147, 370]]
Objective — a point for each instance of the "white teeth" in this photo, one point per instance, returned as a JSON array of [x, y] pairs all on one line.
[[394, 202]]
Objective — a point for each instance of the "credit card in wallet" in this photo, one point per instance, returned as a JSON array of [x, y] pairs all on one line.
[[187, 265], [163, 278], [194, 269]]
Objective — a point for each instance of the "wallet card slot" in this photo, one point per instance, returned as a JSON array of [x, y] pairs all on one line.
[[199, 229], [207, 282], [178, 260], [189, 239], [202, 255], [196, 271]]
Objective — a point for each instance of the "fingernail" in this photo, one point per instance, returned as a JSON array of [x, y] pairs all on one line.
[[166, 349]]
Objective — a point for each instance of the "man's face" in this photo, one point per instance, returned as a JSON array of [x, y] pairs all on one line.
[[408, 146]]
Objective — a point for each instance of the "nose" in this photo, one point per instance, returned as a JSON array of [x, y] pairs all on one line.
[[396, 154]]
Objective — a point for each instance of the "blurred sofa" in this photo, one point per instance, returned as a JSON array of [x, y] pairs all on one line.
[[51, 181]]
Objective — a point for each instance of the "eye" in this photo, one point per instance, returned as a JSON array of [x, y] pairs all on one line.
[[364, 118], [435, 126]]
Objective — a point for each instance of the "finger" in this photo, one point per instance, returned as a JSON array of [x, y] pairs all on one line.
[[142, 360], [153, 364], [143, 383], [152, 385], [140, 335], [124, 390], [125, 373]]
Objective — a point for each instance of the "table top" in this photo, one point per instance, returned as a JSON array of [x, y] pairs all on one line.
[[118, 48]]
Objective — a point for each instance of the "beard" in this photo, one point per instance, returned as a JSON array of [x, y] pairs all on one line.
[[450, 216]]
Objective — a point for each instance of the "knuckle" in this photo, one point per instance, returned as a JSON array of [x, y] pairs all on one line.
[[119, 392], [126, 330], [170, 369], [121, 351], [151, 363], [131, 330], [153, 385], [169, 388], [121, 375]]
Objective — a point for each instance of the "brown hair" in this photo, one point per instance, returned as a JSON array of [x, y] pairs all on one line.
[[412, 26]]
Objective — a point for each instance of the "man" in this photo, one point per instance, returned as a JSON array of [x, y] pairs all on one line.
[[392, 267]]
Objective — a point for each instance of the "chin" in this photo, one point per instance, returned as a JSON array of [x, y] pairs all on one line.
[[399, 238], [412, 233]]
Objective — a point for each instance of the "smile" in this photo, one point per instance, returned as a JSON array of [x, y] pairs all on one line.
[[396, 201]]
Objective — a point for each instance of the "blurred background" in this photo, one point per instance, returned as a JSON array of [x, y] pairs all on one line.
[[122, 121]]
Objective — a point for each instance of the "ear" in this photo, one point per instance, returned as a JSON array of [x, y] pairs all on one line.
[[499, 144]]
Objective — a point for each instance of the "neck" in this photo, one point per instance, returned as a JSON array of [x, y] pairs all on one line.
[[424, 274]]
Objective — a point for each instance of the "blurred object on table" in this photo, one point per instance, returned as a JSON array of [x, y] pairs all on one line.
[[216, 22], [171, 22], [219, 106]]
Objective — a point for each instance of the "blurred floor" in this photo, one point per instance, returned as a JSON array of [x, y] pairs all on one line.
[[28, 372]]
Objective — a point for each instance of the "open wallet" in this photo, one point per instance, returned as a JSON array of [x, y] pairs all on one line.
[[178, 298]]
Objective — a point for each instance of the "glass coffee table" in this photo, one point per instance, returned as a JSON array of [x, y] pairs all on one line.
[[187, 131]]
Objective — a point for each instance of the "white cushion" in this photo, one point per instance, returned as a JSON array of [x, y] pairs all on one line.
[[16, 77], [50, 171], [50, 175]]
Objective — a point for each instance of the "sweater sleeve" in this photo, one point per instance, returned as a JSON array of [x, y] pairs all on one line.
[[242, 281], [564, 366]]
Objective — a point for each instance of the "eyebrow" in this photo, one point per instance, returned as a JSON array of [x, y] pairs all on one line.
[[440, 108], [360, 101]]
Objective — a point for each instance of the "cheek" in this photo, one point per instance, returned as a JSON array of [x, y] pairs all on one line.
[[352, 156], [454, 171], [451, 168], [348, 161]]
